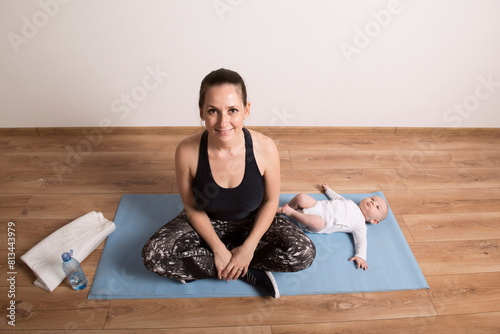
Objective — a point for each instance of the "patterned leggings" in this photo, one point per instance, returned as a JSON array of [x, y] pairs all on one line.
[[177, 251]]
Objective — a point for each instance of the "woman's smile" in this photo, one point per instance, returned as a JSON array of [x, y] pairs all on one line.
[[224, 132]]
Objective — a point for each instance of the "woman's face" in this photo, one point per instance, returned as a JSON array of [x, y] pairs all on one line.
[[223, 111]]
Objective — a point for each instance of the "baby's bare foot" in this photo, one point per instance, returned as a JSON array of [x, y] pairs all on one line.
[[287, 210]]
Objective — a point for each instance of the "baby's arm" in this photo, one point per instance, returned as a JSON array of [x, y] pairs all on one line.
[[360, 246], [329, 192]]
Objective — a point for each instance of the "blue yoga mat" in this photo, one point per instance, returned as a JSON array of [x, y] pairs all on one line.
[[122, 275]]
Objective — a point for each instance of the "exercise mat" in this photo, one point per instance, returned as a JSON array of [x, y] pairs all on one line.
[[122, 275]]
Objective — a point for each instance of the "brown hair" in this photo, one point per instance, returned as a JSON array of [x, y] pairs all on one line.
[[220, 77]]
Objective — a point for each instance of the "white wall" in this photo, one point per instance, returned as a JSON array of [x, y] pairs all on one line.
[[315, 63]]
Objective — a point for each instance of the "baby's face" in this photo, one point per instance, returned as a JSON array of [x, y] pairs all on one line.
[[374, 209]]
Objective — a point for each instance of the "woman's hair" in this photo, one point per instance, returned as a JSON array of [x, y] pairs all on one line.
[[220, 77]]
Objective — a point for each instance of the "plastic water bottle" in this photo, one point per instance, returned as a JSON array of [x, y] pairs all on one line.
[[74, 271]]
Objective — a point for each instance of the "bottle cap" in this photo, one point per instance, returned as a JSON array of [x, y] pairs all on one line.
[[66, 256]]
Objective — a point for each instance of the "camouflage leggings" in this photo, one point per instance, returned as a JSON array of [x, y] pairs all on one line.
[[177, 251]]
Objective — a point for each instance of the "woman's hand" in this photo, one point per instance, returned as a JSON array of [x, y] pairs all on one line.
[[240, 260], [221, 260]]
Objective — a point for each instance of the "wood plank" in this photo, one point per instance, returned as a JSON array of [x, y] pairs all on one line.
[[30, 161], [32, 298], [109, 182], [448, 131], [457, 226], [325, 130], [361, 180], [457, 257], [444, 178], [22, 182], [321, 142], [285, 162], [97, 161], [76, 180], [456, 324], [84, 146], [68, 319], [404, 228], [213, 312], [186, 330], [448, 158], [424, 144], [468, 293], [348, 159], [117, 130], [18, 132], [139, 143], [435, 201], [40, 144], [494, 156], [11, 206], [388, 159], [62, 206], [29, 232]]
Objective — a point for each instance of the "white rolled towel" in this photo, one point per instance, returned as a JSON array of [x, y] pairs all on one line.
[[82, 235]]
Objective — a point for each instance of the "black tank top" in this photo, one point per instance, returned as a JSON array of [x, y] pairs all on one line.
[[228, 203]]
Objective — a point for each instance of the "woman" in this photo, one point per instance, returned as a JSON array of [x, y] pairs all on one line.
[[229, 181]]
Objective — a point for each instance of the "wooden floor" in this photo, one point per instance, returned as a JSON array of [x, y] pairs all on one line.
[[442, 185]]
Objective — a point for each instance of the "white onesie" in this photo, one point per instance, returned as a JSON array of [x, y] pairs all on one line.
[[341, 215]]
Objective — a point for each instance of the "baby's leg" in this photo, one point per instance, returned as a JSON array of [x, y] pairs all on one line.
[[302, 201], [314, 223], [299, 201]]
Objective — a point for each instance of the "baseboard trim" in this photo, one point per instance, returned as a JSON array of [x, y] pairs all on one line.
[[186, 130]]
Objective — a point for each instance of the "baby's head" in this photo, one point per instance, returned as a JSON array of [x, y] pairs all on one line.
[[374, 209]]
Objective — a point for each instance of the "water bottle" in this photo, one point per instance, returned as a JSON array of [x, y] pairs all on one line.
[[74, 271]]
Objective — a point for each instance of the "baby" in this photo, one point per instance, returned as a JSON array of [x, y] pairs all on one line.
[[338, 215]]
